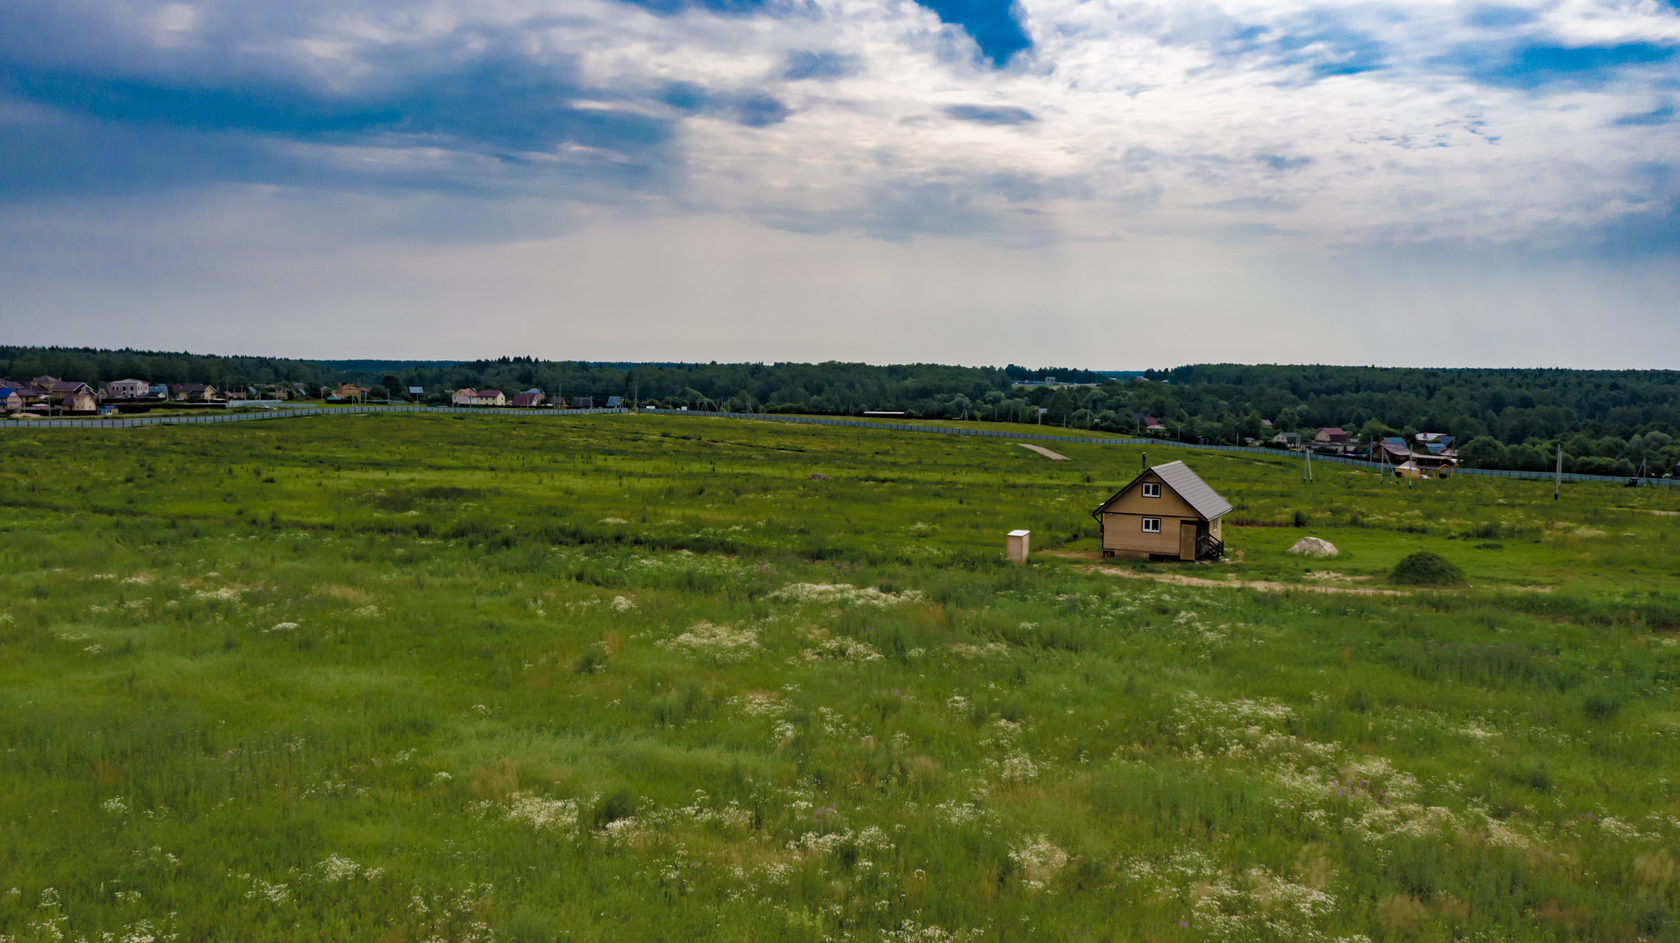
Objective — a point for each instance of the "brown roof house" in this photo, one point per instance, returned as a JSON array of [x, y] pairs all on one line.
[[74, 397], [1166, 512]]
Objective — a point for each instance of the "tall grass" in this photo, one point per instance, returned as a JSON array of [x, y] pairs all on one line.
[[648, 679]]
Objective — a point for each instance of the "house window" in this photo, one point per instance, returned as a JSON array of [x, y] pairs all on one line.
[[1152, 525], [1152, 489]]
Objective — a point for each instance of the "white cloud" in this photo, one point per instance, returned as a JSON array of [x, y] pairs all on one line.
[[1257, 168]]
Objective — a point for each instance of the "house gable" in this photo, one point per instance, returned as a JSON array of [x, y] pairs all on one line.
[[1131, 500], [1185, 494]]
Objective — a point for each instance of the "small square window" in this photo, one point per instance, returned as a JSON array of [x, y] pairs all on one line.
[[1152, 525], [1152, 489]]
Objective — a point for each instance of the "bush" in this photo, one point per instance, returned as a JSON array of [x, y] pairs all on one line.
[[1426, 569]]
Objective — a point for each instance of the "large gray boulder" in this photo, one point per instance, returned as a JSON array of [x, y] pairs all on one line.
[[1314, 547]]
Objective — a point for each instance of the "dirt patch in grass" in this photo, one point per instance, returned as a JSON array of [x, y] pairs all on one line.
[[1045, 452], [1269, 586]]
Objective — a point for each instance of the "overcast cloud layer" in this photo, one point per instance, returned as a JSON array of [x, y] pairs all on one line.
[[1095, 183]]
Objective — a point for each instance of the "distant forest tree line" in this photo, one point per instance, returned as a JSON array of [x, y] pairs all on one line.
[[1607, 421]]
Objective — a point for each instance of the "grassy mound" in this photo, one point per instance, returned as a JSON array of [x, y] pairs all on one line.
[[1426, 569]]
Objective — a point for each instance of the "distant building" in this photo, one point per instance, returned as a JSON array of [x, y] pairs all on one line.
[[1391, 450], [472, 397], [583, 402], [1289, 440], [615, 402], [1435, 443], [127, 389], [529, 399], [72, 397], [348, 393], [1330, 436], [193, 393], [1165, 512]]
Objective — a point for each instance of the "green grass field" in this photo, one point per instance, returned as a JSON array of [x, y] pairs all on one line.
[[415, 678]]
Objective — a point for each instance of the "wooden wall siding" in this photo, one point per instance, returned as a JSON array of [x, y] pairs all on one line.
[[1168, 504], [1123, 533]]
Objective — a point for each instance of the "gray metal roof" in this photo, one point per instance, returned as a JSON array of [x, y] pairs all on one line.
[[1192, 489]]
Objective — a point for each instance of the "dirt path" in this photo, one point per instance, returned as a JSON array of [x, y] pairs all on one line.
[[1045, 452], [1269, 586]]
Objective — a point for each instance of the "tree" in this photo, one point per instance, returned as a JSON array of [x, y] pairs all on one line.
[[1286, 420], [1482, 452]]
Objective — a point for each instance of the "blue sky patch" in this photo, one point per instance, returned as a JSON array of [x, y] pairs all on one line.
[[1279, 163], [809, 64], [1317, 45], [1538, 65], [1647, 119], [755, 109], [991, 114], [1495, 16], [991, 23]]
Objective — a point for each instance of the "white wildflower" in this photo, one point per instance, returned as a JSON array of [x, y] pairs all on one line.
[[1039, 860], [719, 641], [841, 649], [335, 868], [842, 593]]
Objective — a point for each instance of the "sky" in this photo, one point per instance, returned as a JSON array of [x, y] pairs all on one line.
[[1086, 183]]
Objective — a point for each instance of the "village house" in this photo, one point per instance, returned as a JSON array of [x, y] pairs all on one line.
[[126, 389], [472, 397], [1165, 512], [1390, 450], [348, 393], [194, 393], [1330, 438], [1289, 440], [529, 399], [10, 400], [73, 397], [583, 402], [1436, 443]]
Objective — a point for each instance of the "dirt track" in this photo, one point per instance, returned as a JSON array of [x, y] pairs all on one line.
[[1045, 452]]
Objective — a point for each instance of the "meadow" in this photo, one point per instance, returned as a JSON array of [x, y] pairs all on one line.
[[440, 678]]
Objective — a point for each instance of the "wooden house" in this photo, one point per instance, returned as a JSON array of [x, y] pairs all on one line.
[[1165, 512], [10, 401]]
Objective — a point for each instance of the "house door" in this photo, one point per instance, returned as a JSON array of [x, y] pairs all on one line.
[[1187, 540]]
